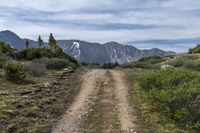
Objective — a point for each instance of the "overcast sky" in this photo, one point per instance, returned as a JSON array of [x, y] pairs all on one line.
[[167, 24]]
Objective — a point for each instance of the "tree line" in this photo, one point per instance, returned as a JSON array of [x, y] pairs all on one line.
[[51, 41]]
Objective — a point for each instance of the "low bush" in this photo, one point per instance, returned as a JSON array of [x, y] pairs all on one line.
[[194, 50], [6, 48], [14, 70], [33, 53], [192, 64], [3, 60], [180, 61], [176, 94], [71, 59], [56, 63], [150, 62], [177, 62], [143, 65], [36, 68], [38, 53], [152, 59]]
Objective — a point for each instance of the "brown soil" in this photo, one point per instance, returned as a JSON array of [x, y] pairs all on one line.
[[128, 119], [72, 118], [116, 110]]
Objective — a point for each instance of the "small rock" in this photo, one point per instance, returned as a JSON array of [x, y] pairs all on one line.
[[105, 83], [132, 131], [80, 116], [167, 67], [65, 69], [46, 84], [86, 112]]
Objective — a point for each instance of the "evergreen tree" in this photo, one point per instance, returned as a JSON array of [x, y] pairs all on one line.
[[27, 44], [40, 42], [53, 45], [52, 41]]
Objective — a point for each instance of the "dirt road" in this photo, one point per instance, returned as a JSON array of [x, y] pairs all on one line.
[[127, 115], [71, 120], [114, 106]]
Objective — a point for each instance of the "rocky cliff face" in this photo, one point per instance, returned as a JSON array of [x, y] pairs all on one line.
[[90, 52], [108, 52]]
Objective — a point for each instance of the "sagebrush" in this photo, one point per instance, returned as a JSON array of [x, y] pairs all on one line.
[[14, 70], [36, 68]]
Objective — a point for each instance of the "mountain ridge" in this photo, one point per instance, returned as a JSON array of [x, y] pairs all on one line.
[[89, 52]]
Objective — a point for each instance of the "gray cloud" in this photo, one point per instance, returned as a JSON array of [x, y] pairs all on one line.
[[161, 22]]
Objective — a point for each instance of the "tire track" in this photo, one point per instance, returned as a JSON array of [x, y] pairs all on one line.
[[127, 117], [73, 116]]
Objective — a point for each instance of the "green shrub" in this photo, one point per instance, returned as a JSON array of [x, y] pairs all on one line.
[[3, 60], [167, 79], [177, 62], [195, 65], [176, 94], [150, 62], [56, 63], [180, 61], [14, 70], [33, 53], [71, 59], [36, 68], [194, 50], [37, 53], [152, 59], [6, 48], [143, 65]]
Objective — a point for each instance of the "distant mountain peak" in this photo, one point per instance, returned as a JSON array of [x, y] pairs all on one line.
[[90, 52], [113, 42], [7, 31], [14, 40]]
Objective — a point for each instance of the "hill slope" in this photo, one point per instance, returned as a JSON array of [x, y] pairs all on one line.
[[108, 52], [90, 52]]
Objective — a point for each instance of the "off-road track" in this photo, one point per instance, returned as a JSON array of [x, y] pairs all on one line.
[[115, 102]]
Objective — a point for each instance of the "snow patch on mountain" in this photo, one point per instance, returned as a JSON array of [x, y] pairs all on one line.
[[129, 58], [76, 50], [114, 55]]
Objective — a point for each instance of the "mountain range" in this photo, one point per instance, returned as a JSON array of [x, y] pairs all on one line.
[[90, 52]]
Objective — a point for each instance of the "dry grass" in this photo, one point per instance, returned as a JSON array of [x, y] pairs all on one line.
[[36, 104]]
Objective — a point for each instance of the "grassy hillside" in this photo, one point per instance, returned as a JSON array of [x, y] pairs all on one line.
[[37, 86], [166, 92]]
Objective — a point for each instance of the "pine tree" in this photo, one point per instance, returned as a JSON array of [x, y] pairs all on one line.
[[40, 42], [52, 41], [53, 45], [27, 44]]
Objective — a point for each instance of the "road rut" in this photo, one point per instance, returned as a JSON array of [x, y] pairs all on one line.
[[72, 118]]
